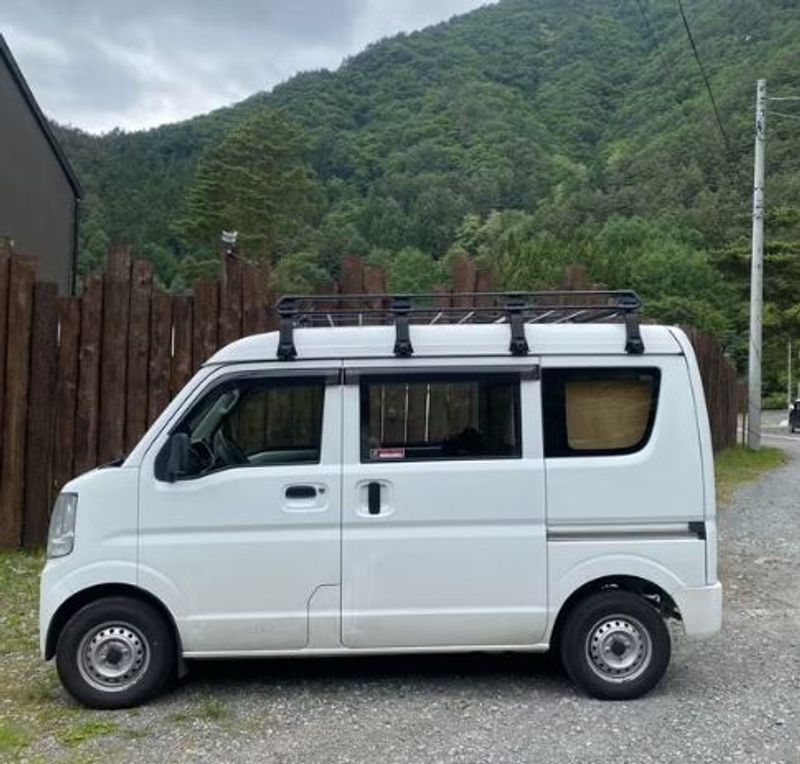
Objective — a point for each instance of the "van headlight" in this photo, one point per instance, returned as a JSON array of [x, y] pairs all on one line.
[[61, 538]]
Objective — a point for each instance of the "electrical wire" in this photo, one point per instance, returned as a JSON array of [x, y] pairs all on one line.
[[664, 62], [705, 79]]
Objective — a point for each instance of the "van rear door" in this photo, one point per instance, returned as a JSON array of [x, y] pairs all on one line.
[[443, 506]]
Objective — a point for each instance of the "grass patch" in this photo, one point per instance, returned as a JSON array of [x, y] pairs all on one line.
[[12, 740], [213, 710], [85, 731], [737, 465]]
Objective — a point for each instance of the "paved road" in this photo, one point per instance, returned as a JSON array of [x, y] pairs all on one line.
[[733, 699]]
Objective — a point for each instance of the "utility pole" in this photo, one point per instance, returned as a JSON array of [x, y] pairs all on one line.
[[757, 274], [789, 385]]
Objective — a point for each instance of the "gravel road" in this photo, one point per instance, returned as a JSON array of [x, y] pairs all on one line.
[[735, 698]]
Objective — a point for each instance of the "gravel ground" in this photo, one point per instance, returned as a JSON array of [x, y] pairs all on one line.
[[735, 698]]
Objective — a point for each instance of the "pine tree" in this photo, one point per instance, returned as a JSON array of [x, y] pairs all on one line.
[[256, 182]]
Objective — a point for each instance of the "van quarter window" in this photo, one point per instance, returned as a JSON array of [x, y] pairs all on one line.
[[453, 416], [255, 423], [598, 412]]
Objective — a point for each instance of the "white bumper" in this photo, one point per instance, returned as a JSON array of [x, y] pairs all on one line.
[[701, 609]]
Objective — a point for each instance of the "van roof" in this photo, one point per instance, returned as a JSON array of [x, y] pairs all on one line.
[[473, 340]]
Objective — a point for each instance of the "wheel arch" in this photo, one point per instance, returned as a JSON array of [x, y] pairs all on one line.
[[649, 591], [74, 603]]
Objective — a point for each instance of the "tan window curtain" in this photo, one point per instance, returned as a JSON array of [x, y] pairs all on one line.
[[607, 414]]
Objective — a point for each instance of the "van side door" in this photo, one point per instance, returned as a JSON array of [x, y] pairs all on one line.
[[443, 534], [237, 546]]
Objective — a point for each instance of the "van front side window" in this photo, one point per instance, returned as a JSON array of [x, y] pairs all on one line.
[[255, 422], [440, 417], [598, 412]]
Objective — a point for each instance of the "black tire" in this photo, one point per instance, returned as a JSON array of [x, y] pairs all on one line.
[[110, 636], [615, 645]]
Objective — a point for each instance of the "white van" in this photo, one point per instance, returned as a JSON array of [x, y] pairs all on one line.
[[520, 476]]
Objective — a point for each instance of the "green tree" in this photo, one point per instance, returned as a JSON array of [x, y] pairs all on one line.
[[93, 241], [300, 273], [413, 271], [256, 182]]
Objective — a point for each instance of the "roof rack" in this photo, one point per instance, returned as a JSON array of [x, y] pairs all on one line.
[[513, 308]]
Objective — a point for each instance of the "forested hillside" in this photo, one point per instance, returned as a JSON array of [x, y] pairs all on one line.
[[531, 134]]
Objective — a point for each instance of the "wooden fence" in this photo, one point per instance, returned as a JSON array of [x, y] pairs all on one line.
[[721, 387], [81, 378]]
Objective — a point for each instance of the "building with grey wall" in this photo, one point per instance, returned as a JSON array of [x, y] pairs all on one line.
[[39, 193]]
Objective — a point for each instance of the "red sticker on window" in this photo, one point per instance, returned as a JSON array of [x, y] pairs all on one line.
[[388, 453]]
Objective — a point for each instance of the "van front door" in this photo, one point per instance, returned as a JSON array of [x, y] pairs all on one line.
[[238, 545], [443, 506]]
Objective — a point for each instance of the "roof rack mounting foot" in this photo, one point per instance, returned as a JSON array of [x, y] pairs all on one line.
[[634, 345], [516, 320], [401, 307], [286, 349]]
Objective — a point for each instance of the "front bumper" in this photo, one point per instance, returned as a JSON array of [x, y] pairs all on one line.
[[701, 610]]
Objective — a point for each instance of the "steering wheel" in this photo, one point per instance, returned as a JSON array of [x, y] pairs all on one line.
[[227, 451]]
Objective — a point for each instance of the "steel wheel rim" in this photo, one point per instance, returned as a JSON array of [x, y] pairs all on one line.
[[113, 657], [619, 648]]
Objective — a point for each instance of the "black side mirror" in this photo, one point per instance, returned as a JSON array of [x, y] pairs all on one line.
[[178, 456]]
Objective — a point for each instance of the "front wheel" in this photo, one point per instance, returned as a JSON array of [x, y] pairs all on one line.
[[116, 652], [615, 645]]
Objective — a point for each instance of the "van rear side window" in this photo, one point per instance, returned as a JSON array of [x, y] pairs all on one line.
[[599, 411], [440, 417]]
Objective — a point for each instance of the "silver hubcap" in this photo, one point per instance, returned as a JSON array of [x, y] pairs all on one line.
[[113, 657], [618, 648]]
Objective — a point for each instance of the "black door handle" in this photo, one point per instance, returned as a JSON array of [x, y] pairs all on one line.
[[301, 492], [374, 498]]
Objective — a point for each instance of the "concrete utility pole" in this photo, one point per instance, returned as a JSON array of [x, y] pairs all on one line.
[[757, 274]]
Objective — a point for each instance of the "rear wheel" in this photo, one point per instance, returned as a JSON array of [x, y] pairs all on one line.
[[615, 645], [115, 652]]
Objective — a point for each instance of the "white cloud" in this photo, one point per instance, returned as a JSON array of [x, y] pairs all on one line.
[[100, 65]]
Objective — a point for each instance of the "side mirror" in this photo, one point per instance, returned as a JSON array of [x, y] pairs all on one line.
[[178, 456]]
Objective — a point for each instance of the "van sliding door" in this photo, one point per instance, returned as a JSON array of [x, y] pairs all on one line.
[[443, 506]]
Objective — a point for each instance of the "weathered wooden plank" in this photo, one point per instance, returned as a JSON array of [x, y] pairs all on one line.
[[205, 320], [160, 355], [374, 283], [114, 355], [41, 415], [351, 278], [22, 274], [5, 262], [484, 282], [87, 415], [255, 300], [181, 368], [69, 321], [463, 274], [230, 297], [138, 352]]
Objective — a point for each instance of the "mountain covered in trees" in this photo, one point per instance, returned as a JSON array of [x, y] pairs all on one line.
[[531, 134]]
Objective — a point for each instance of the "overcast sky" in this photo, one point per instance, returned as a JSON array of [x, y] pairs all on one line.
[[99, 64]]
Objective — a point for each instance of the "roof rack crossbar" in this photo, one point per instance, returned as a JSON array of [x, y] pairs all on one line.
[[514, 308]]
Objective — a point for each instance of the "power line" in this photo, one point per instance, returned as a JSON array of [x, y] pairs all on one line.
[[705, 79], [664, 62]]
